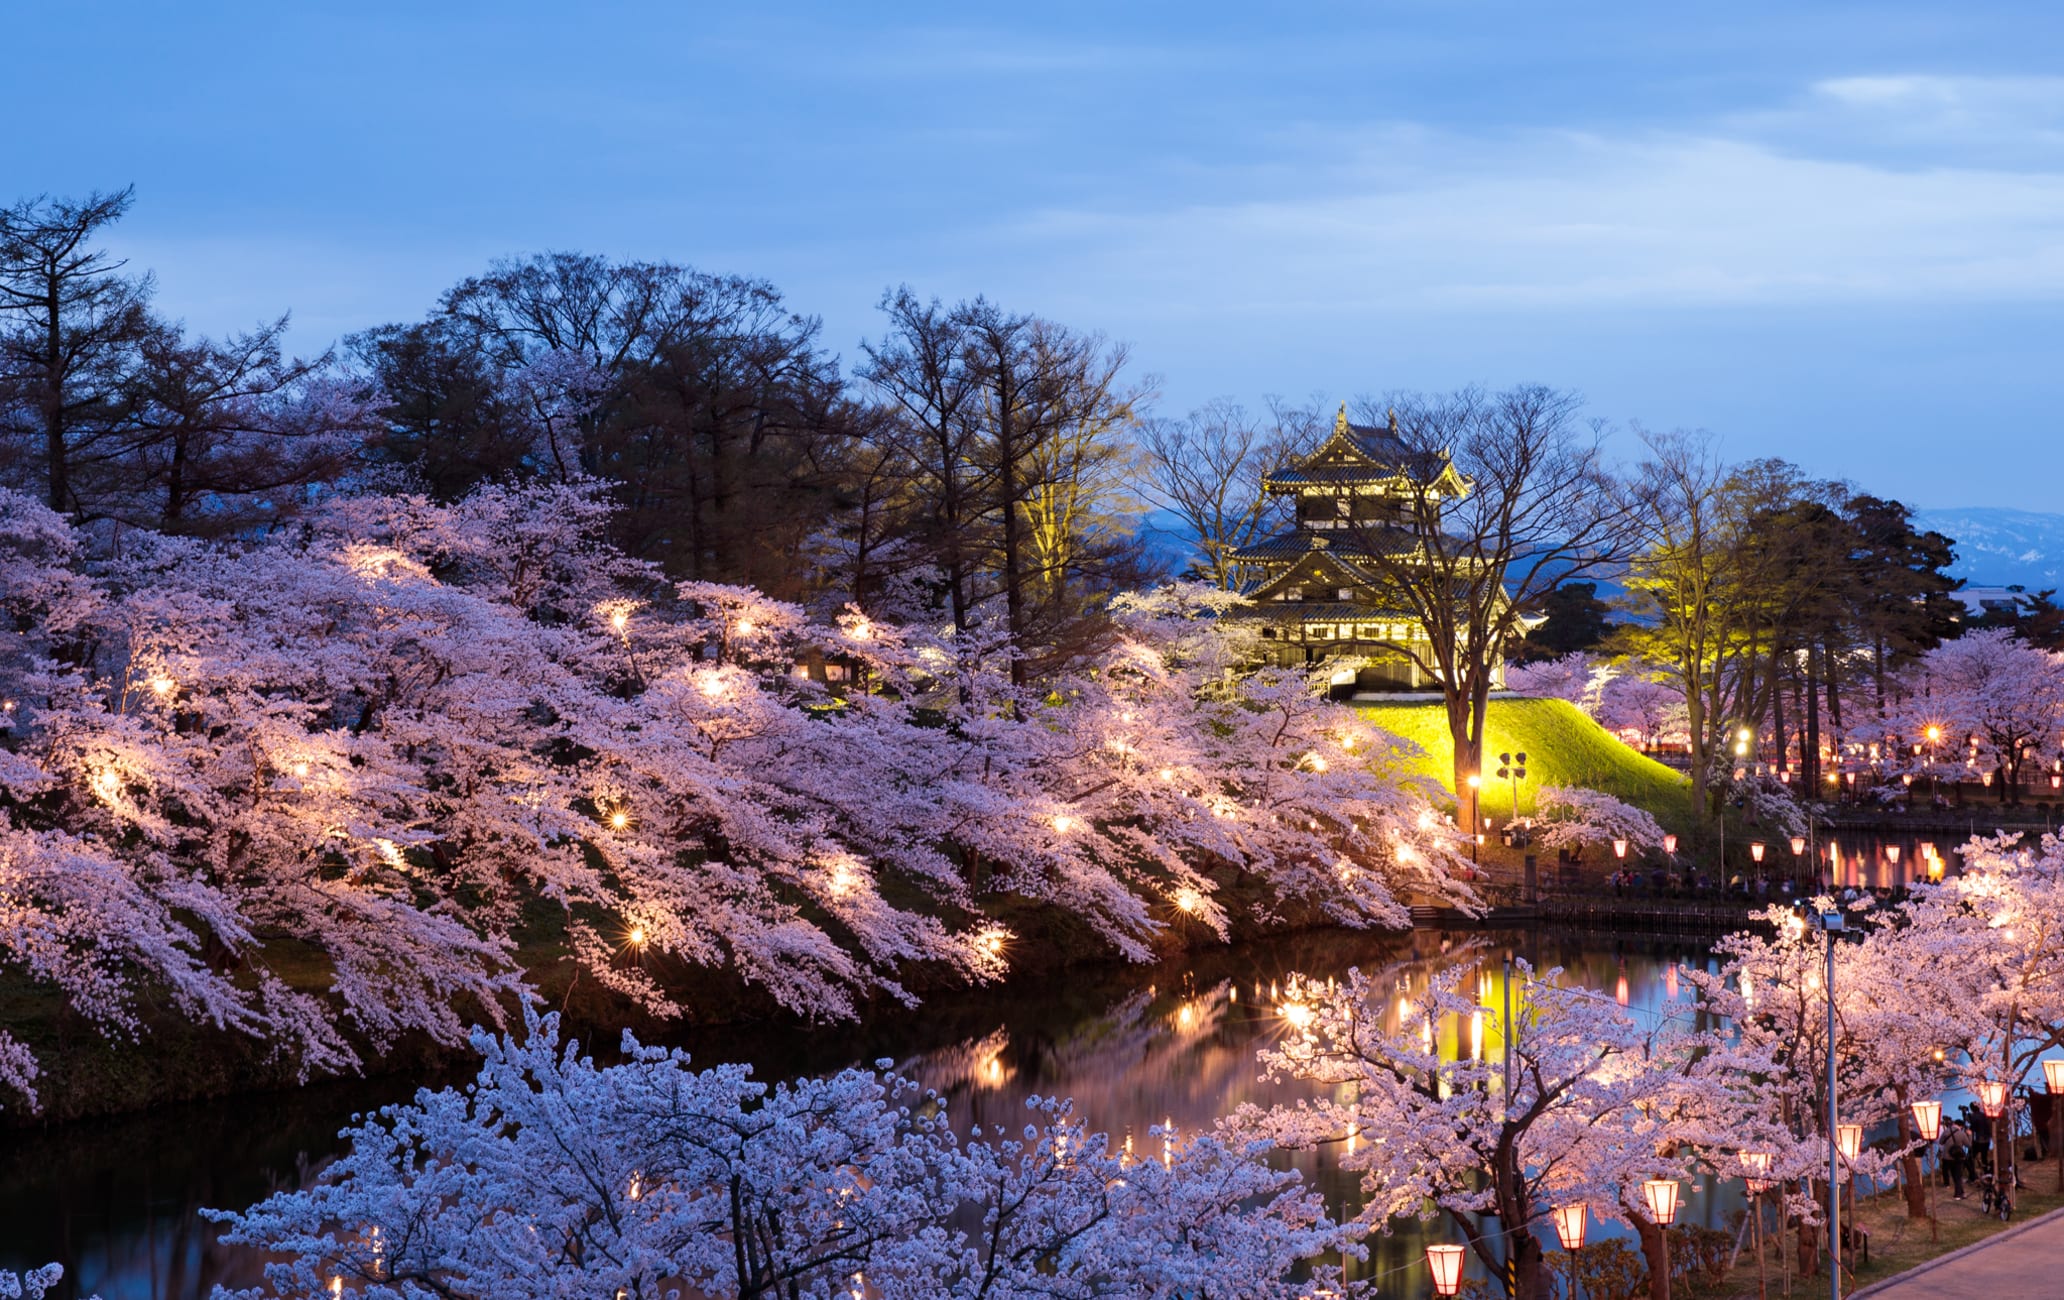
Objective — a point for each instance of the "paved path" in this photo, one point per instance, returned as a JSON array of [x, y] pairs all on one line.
[[2026, 1262]]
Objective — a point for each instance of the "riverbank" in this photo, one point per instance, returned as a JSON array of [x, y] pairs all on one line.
[[173, 1061]]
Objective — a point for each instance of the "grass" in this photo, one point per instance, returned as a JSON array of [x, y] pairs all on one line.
[[1898, 1243], [1563, 746]]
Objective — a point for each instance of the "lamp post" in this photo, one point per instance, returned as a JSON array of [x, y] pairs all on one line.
[[1831, 925], [1571, 1223], [2053, 1083], [1756, 1164], [1444, 1261], [1475, 815], [1992, 1103], [1513, 768], [1928, 1123], [1849, 1141], [1661, 1195]]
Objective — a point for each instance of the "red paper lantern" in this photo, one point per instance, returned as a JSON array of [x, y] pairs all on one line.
[[1445, 1263]]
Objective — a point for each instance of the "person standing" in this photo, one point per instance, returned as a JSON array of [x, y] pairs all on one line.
[[1956, 1155]]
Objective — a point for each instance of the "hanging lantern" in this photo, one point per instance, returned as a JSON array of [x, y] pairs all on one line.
[[1756, 1164], [1992, 1098], [1670, 844], [1928, 1118], [1849, 1140], [1756, 850], [1571, 1222], [1445, 1263], [1661, 1195]]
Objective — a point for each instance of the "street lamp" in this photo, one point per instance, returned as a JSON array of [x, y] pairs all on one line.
[[1619, 848], [1445, 1263], [1756, 851], [1928, 1123], [1992, 1102], [1571, 1223], [1670, 845], [1661, 1195], [1475, 824], [2053, 1083], [1513, 768], [1831, 924]]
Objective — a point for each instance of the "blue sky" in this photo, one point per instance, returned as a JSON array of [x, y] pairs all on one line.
[[1829, 232]]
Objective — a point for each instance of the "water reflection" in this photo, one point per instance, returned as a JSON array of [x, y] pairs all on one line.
[[118, 1202]]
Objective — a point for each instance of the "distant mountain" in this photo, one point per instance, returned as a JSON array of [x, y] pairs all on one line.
[[2002, 548]]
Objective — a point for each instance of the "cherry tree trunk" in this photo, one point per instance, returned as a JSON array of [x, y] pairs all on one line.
[[1654, 1250]]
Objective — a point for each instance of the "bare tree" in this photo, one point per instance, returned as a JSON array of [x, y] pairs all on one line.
[[1015, 428], [1498, 498], [1207, 468]]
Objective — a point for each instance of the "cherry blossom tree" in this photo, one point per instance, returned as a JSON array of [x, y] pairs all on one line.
[[1994, 702], [1578, 678], [551, 1175], [404, 731], [1578, 1100], [1570, 816], [1771, 987], [1986, 945], [1633, 700]]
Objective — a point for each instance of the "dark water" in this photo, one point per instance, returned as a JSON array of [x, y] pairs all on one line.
[[118, 1202]]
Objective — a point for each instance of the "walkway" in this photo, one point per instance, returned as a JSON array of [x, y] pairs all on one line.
[[2019, 1264]]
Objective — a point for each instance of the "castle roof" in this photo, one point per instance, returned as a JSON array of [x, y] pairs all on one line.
[[1362, 540], [1361, 454]]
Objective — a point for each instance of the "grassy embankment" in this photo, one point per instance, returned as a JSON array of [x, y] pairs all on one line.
[[1563, 748]]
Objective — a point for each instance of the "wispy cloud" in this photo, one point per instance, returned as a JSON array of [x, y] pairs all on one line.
[[1735, 212]]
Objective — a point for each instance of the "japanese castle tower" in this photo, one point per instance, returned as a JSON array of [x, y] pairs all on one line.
[[1315, 591]]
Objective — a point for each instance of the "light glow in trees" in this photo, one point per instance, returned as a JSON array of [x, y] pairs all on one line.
[[1599, 1101], [390, 735]]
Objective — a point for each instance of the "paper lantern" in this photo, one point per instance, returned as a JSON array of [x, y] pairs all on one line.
[[1445, 1263], [1992, 1098], [1849, 1140], [1571, 1222], [1928, 1118], [1756, 1164], [1661, 1195]]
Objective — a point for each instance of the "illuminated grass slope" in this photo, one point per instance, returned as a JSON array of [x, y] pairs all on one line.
[[1562, 745]]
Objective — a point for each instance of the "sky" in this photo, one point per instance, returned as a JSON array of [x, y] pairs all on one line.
[[1828, 232]]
